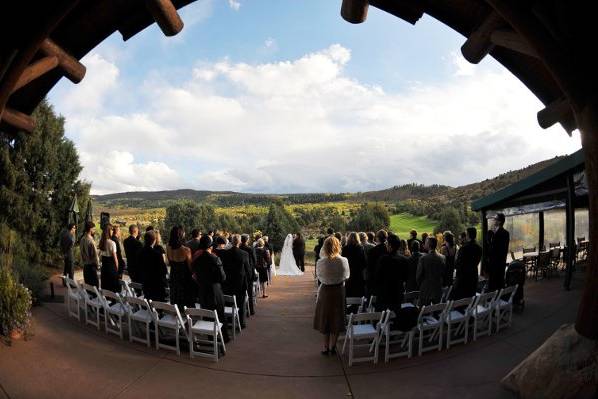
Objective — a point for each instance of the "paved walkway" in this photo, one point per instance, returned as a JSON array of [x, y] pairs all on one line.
[[277, 356]]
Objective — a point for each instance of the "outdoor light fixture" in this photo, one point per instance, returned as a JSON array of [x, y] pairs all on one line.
[[354, 11]]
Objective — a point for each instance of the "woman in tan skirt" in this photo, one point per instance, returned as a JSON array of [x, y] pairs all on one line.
[[331, 270]]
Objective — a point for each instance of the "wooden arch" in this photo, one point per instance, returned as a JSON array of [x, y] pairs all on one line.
[[547, 44]]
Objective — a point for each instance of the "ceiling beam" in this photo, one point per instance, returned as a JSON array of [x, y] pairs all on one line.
[[35, 70], [354, 11], [18, 119], [72, 68], [510, 39], [165, 15], [479, 42], [558, 111]]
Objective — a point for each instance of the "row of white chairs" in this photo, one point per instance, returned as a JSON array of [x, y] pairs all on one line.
[[200, 327], [448, 323]]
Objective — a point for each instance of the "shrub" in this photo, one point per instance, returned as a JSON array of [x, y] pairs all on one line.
[[15, 304]]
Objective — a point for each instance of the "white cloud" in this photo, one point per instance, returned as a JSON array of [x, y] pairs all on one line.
[[462, 66], [305, 125], [234, 4]]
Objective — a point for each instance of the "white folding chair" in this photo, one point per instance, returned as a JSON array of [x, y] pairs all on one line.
[[371, 303], [430, 326], [136, 289], [482, 312], [363, 327], [115, 311], [356, 301], [404, 339], [168, 317], [246, 304], [75, 300], [140, 314], [446, 294], [125, 289], [457, 318], [93, 305], [411, 298], [231, 311], [205, 330], [504, 307]]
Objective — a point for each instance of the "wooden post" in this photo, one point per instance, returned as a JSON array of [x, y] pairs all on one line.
[[165, 15], [587, 314], [540, 231], [35, 70], [354, 11], [570, 233], [73, 69]]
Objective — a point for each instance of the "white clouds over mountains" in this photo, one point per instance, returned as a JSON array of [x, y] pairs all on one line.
[[300, 125]]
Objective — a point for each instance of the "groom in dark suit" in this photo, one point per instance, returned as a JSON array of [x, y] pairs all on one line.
[[299, 251]]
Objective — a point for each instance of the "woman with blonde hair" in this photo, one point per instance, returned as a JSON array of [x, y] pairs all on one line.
[[331, 270]]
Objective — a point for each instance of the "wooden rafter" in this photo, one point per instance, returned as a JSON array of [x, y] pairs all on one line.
[[18, 119], [354, 11], [479, 42], [73, 69], [35, 70], [513, 41], [558, 111], [165, 15]]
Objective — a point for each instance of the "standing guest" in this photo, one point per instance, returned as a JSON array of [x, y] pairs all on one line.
[[158, 245], [466, 266], [209, 275], [193, 243], [219, 247], [412, 239], [153, 269], [332, 271], [250, 273], [339, 236], [363, 238], [404, 249], [329, 231], [449, 250], [89, 255], [235, 265], [391, 275], [119, 250], [411, 284], [107, 247], [353, 251], [183, 290], [424, 245], [132, 246], [499, 249], [318, 248], [430, 274], [372, 258], [262, 264], [370, 242], [299, 251], [271, 266], [462, 238], [256, 238], [67, 242]]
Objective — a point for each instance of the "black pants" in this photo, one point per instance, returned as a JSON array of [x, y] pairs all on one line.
[[90, 275], [68, 267], [250, 298], [300, 261]]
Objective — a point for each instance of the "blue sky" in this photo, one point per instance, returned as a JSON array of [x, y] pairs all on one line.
[[265, 95]]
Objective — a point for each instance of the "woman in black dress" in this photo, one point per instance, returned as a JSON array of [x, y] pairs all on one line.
[[107, 247], [153, 268], [262, 264], [355, 254], [183, 290], [449, 250]]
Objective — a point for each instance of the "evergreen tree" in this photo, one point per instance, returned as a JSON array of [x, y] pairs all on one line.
[[279, 223], [370, 217]]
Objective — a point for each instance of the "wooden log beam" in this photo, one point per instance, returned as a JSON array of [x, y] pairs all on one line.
[[558, 111], [408, 10], [354, 11], [35, 70], [479, 42], [18, 119], [165, 15], [513, 41], [73, 69]]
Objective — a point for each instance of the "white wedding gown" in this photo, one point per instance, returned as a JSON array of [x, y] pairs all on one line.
[[288, 266]]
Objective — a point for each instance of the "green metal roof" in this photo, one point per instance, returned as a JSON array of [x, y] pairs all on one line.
[[559, 168]]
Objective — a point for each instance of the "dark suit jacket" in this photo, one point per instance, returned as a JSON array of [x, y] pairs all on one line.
[[391, 275], [466, 266], [250, 271], [153, 273], [235, 263], [132, 248], [298, 247], [499, 248], [430, 273], [209, 276], [372, 258], [355, 285], [411, 284]]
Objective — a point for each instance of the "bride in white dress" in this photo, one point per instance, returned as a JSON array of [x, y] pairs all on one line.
[[287, 266]]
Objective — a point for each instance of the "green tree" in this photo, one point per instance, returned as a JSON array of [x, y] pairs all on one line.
[[279, 222], [370, 217], [191, 216], [450, 219]]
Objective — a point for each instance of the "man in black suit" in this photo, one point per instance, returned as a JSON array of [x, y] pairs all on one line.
[[250, 272], [235, 262], [391, 275], [466, 266], [499, 248], [412, 239], [132, 246], [299, 251], [411, 284], [154, 270], [372, 260]]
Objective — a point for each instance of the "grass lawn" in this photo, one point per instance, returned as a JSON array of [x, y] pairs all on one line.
[[402, 223]]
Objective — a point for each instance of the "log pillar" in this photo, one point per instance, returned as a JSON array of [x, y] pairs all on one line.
[[587, 314]]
